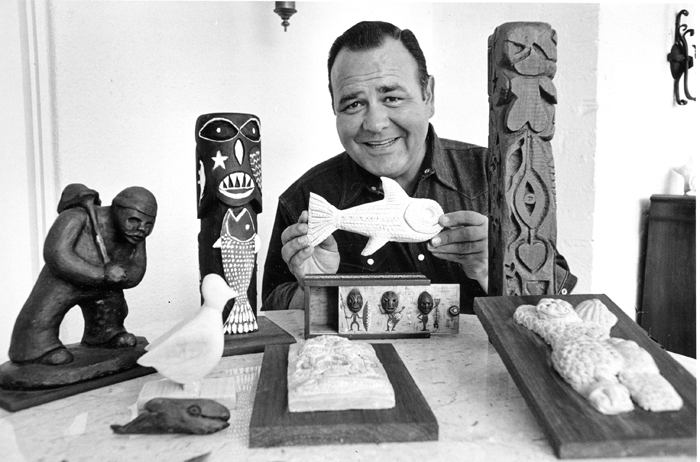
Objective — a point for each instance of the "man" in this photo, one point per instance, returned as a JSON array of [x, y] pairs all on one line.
[[78, 273], [383, 98]]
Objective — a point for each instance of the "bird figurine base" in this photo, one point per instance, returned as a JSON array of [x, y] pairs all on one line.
[[220, 389]]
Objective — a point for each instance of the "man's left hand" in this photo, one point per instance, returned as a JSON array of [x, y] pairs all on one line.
[[465, 241]]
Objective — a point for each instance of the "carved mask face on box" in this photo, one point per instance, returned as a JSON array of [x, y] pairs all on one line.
[[390, 301], [425, 302], [228, 161], [354, 300]]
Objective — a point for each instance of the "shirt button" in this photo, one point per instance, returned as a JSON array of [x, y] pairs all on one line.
[[370, 261], [421, 257], [374, 188], [564, 291], [426, 171]]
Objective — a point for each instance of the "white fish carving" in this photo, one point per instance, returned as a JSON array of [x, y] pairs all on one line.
[[397, 218]]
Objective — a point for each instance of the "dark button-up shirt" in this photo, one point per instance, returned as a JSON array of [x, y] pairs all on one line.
[[453, 174]]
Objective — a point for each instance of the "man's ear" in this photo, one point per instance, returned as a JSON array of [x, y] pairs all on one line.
[[430, 94]]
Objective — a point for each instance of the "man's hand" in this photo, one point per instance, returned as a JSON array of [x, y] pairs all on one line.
[[303, 259], [114, 273], [465, 241]]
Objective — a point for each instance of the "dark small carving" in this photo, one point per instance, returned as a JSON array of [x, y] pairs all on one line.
[[356, 303], [426, 304], [92, 254], [389, 303], [167, 415]]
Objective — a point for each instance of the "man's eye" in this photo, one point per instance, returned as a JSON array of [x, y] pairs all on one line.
[[392, 99], [352, 106]]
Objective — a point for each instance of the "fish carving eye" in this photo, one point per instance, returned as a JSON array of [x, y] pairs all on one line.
[[194, 410], [422, 215]]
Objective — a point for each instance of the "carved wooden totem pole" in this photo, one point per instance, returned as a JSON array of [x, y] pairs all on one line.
[[229, 197], [522, 235]]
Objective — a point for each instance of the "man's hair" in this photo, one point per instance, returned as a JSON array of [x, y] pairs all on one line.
[[367, 35]]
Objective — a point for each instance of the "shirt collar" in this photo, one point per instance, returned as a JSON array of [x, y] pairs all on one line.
[[356, 179]]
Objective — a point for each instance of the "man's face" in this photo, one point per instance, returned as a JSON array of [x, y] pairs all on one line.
[[134, 225], [381, 113]]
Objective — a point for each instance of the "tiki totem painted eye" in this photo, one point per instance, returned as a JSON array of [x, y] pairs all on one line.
[[354, 300], [390, 301], [425, 302]]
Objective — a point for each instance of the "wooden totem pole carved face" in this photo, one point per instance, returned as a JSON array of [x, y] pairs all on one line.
[[228, 161]]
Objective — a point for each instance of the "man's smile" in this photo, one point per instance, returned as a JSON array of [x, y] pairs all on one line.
[[380, 144]]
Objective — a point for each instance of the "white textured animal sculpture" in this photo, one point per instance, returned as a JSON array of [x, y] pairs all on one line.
[[397, 217], [193, 347]]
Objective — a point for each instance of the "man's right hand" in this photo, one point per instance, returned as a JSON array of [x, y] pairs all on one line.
[[303, 259], [114, 273]]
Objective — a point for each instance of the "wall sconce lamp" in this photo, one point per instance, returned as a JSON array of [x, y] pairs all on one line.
[[285, 10], [680, 61]]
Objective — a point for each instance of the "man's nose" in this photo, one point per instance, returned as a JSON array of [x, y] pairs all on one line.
[[376, 118]]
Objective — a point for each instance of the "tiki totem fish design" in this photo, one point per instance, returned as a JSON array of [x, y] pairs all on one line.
[[239, 244]]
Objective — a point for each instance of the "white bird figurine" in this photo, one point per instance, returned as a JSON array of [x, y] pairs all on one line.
[[193, 347]]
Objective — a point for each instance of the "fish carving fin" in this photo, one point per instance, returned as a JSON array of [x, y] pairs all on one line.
[[321, 219], [374, 244], [393, 192], [217, 244]]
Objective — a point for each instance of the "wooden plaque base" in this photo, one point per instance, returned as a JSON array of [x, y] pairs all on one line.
[[268, 333], [574, 428], [273, 425]]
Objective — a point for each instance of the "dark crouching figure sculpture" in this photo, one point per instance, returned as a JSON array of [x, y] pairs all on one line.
[[92, 254]]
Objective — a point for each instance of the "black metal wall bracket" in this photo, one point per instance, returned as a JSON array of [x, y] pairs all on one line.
[[680, 60]]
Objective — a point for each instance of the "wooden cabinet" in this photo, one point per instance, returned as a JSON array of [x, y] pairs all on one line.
[[668, 296]]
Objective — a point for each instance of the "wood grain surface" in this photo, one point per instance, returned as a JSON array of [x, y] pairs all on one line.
[[268, 333], [273, 425], [574, 428]]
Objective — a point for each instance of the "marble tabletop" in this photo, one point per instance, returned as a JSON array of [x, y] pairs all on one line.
[[481, 414]]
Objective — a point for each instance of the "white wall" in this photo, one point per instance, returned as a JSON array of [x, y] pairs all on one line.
[[20, 256], [128, 80]]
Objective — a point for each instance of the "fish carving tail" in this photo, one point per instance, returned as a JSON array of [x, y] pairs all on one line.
[[321, 219]]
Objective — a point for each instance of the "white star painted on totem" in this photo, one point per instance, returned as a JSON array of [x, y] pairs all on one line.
[[219, 160]]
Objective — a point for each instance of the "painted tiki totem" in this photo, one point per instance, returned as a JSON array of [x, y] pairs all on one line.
[[521, 64], [229, 198]]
